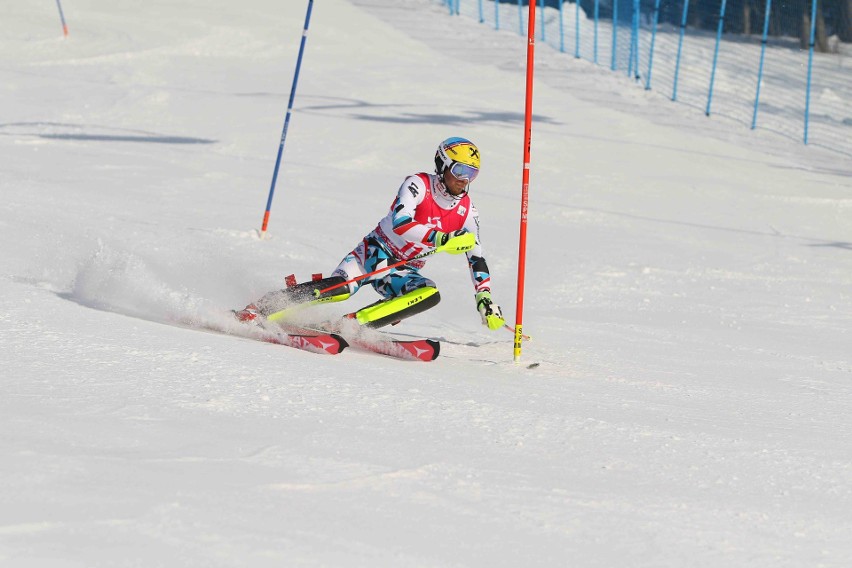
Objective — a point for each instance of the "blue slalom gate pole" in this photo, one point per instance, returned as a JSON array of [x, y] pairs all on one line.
[[716, 57], [62, 18], [810, 66], [286, 121], [762, 55]]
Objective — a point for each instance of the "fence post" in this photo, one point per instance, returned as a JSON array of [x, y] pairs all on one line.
[[810, 67], [577, 29], [679, 48], [614, 64], [633, 64], [716, 56], [762, 55], [653, 40], [597, 13]]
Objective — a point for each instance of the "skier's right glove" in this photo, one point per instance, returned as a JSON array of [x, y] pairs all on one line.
[[455, 242], [491, 314]]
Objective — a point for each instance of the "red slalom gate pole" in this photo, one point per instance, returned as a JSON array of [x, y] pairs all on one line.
[[525, 185]]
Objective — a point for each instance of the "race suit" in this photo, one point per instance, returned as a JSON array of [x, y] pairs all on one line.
[[422, 207]]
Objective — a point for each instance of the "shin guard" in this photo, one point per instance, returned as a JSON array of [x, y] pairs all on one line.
[[385, 312]]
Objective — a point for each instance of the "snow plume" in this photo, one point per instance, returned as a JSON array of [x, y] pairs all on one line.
[[123, 282]]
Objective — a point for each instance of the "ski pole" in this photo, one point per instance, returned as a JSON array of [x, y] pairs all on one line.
[[286, 121], [524, 336], [451, 248], [319, 293]]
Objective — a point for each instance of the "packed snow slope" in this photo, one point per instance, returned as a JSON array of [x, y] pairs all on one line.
[[689, 294]]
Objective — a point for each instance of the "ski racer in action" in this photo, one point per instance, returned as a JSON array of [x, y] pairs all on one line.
[[431, 213]]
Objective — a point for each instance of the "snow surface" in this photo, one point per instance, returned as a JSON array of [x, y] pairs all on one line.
[[688, 293]]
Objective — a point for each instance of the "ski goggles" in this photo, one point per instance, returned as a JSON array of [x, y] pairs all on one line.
[[463, 171]]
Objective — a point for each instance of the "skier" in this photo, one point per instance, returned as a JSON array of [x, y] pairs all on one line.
[[431, 213]]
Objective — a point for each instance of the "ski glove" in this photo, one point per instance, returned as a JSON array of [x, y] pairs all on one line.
[[491, 314], [455, 242]]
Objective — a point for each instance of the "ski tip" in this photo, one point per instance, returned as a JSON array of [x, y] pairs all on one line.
[[342, 342], [436, 348]]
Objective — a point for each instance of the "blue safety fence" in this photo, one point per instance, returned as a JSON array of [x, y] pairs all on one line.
[[778, 66]]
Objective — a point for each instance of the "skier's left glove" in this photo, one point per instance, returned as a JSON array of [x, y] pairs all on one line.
[[491, 314]]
